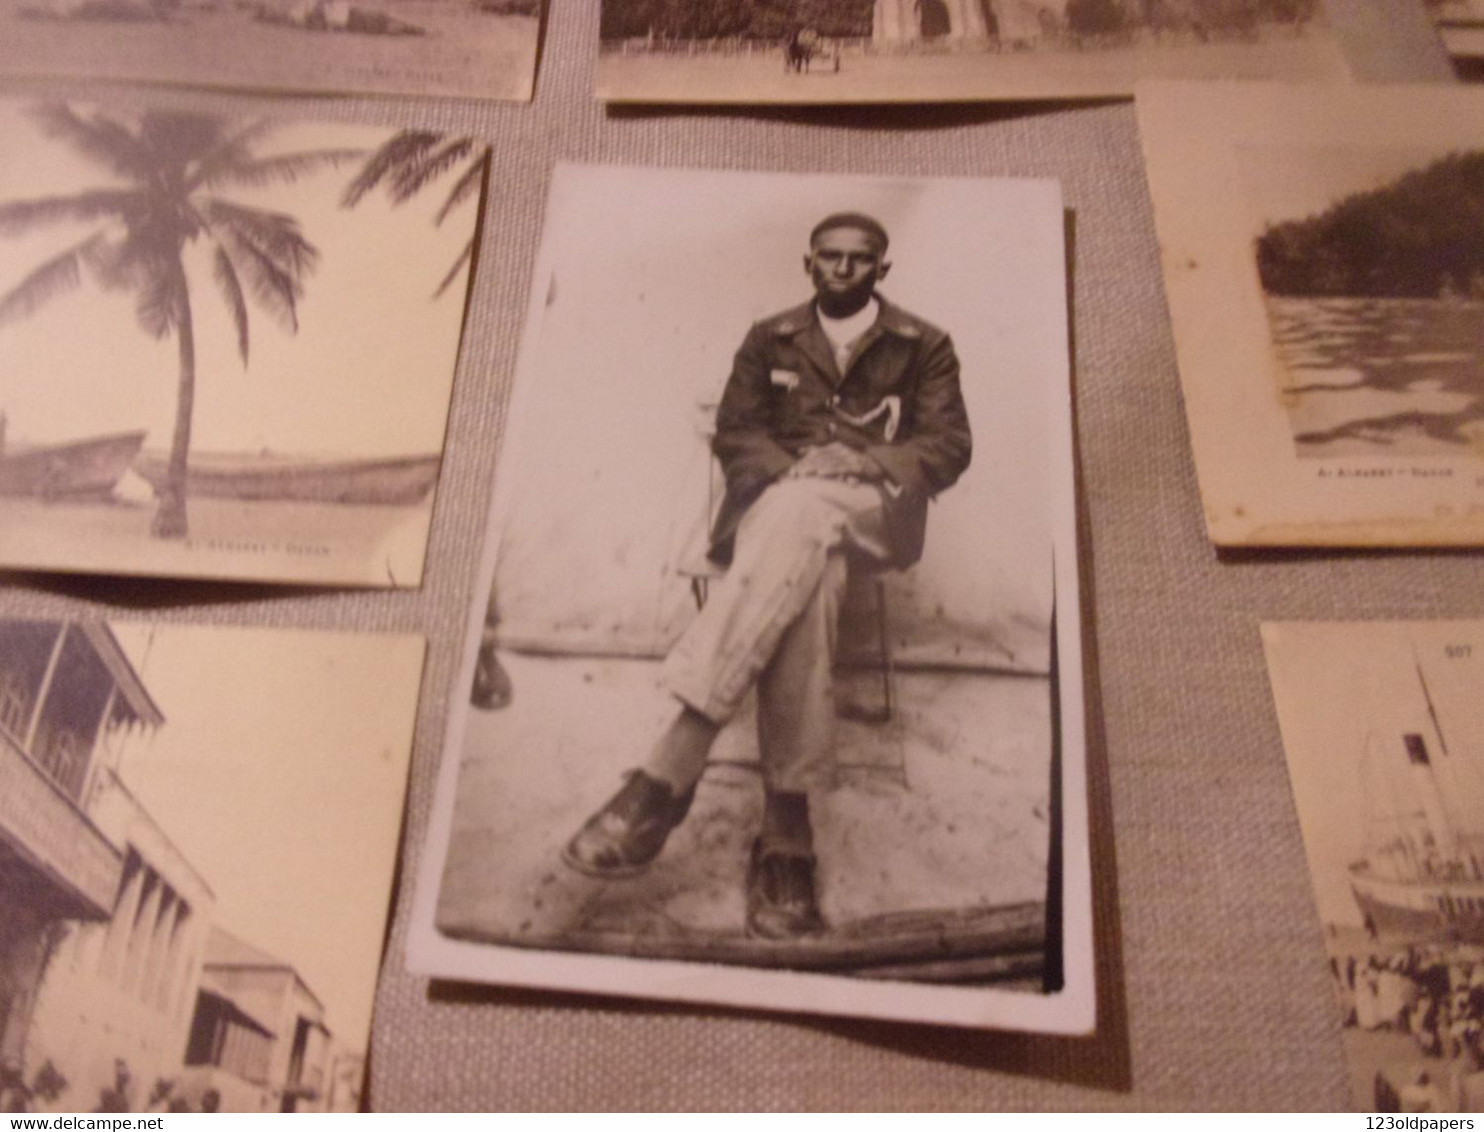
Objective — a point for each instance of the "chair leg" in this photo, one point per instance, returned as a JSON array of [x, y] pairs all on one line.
[[884, 642]]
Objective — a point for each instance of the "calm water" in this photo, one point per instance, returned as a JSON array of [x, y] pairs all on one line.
[[1382, 376]]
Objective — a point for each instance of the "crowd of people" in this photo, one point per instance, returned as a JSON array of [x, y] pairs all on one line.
[[1435, 994]]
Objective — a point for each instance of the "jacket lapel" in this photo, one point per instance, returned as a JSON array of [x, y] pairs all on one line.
[[861, 345], [816, 347]]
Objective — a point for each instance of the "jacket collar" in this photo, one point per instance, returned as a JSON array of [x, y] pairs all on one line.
[[892, 319], [802, 324]]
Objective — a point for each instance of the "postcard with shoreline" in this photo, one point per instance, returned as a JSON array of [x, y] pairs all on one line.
[[1384, 731], [886, 810], [1327, 295], [199, 831], [227, 346], [950, 50], [482, 49]]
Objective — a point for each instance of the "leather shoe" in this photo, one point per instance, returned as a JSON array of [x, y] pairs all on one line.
[[780, 894], [630, 829]]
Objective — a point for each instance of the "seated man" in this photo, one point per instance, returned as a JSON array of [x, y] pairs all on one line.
[[841, 420]]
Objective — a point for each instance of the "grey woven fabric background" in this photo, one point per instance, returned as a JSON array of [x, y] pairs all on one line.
[[1213, 984]]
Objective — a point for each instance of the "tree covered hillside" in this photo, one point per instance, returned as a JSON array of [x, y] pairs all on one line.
[[750, 19], [1419, 237]]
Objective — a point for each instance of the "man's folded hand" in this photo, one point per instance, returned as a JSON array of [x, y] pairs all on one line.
[[835, 461]]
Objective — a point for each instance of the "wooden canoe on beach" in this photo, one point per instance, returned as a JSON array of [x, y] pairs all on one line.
[[74, 469], [388, 481]]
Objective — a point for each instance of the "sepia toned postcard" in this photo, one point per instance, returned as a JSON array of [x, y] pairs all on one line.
[[1327, 295], [198, 830], [1383, 723], [1460, 25], [771, 690], [227, 346], [950, 50], [482, 49]]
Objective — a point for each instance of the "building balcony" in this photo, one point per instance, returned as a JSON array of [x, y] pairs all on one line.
[[42, 827]]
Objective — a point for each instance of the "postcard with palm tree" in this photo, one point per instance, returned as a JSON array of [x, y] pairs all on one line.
[[226, 346], [450, 48], [1324, 264]]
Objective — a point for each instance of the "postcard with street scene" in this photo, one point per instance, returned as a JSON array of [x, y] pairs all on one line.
[[484, 49], [1460, 25], [841, 51], [226, 345], [198, 831], [1325, 279], [1383, 724], [760, 695]]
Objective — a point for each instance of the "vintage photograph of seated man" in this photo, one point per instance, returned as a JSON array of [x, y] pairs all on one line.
[[842, 51], [765, 674]]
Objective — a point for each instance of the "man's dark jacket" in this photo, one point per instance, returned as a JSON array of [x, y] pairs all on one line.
[[786, 394]]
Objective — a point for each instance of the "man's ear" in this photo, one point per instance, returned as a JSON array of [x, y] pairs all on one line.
[[808, 263], [881, 272]]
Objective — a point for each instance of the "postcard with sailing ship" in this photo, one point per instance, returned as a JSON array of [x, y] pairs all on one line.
[[774, 700], [840, 51], [1326, 284], [226, 345], [452, 48], [198, 828], [1383, 723]]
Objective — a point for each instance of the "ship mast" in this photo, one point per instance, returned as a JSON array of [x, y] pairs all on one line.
[[1447, 846]]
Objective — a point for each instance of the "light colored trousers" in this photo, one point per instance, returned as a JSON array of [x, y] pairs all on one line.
[[770, 621]]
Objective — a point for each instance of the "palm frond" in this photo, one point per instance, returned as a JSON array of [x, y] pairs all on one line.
[[231, 288], [157, 306], [273, 234], [18, 216], [57, 275], [458, 266], [408, 180], [403, 148], [467, 185], [106, 141], [276, 290], [234, 149], [283, 169], [119, 266]]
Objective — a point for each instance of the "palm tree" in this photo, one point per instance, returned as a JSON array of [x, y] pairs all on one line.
[[413, 159], [168, 168]]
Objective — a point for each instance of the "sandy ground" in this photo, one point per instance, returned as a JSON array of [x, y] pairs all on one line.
[[944, 808], [961, 75], [319, 543], [463, 53]]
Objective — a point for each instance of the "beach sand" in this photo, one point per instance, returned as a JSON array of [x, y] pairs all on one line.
[[463, 53]]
